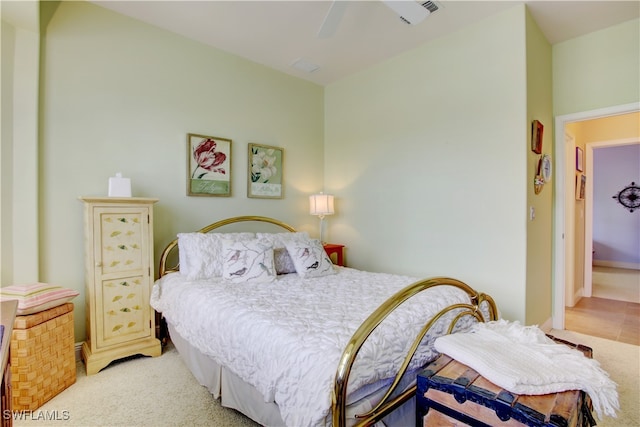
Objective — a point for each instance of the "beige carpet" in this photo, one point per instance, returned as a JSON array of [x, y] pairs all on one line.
[[622, 362], [162, 392], [142, 391]]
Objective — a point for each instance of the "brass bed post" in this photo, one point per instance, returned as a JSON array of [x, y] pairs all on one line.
[[385, 406]]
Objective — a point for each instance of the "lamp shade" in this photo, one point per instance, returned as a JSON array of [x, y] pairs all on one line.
[[321, 204]]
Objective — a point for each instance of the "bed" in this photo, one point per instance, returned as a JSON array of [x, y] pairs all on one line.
[[274, 330]]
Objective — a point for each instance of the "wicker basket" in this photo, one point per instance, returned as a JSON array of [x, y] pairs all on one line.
[[42, 356]]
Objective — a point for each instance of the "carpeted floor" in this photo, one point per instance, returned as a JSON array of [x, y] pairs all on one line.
[[622, 362], [162, 392], [141, 391]]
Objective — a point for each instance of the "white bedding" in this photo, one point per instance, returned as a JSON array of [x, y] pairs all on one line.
[[286, 337]]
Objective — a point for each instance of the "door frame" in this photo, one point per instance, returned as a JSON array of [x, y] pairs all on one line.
[[561, 199]]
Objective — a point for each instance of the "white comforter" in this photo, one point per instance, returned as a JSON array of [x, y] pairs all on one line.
[[286, 337]]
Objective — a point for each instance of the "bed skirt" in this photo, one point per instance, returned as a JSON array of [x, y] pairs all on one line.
[[237, 394]]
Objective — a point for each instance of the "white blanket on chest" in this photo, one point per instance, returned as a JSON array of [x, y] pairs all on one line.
[[523, 360]]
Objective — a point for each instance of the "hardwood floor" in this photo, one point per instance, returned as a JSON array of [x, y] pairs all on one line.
[[605, 318]]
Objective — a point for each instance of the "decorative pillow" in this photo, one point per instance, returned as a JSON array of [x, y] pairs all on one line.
[[37, 296], [284, 263], [248, 261], [310, 258], [200, 254]]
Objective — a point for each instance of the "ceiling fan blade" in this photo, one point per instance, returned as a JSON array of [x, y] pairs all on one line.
[[332, 19]]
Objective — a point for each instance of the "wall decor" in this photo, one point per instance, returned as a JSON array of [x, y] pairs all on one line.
[[629, 197], [538, 184], [543, 173], [581, 183], [579, 159], [208, 165], [265, 177], [536, 136], [546, 167]]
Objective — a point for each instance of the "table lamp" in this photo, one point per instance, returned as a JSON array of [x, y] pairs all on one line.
[[320, 205]]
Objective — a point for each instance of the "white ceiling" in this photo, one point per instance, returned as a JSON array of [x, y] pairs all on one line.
[[277, 33]]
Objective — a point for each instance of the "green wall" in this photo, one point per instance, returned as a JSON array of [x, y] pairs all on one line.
[[597, 70], [538, 308], [119, 95], [427, 154]]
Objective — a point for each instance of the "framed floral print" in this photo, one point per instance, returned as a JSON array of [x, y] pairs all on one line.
[[208, 165], [265, 180]]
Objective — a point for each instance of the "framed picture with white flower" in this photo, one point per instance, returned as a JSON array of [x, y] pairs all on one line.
[[265, 178], [208, 165]]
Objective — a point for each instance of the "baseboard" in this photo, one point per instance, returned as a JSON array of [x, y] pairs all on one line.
[[78, 351], [547, 325], [577, 295], [617, 264]]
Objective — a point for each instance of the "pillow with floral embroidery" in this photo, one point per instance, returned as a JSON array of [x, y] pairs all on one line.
[[284, 263], [200, 254], [248, 261], [310, 258]]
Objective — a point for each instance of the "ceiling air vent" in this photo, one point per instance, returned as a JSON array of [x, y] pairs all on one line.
[[431, 6], [412, 12]]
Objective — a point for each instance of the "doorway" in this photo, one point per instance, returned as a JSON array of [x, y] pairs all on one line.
[[561, 201]]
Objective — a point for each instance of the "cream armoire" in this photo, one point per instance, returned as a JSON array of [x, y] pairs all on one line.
[[118, 233]]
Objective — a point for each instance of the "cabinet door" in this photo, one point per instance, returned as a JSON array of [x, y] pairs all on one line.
[[123, 274]]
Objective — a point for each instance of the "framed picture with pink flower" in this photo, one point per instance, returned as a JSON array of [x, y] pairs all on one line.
[[208, 165], [265, 180]]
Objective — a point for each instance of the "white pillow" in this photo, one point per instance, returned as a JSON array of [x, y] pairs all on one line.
[[284, 263], [310, 258], [248, 261], [200, 254]]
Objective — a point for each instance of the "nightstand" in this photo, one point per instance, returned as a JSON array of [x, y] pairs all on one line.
[[338, 250]]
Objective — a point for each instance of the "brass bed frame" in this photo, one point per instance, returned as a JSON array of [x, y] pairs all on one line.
[[339, 395]]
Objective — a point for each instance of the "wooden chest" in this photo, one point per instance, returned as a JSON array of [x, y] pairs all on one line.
[[43, 362], [452, 394]]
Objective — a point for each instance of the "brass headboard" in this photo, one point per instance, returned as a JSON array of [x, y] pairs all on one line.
[[172, 248]]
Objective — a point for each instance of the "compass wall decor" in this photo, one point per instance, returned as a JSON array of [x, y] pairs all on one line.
[[629, 197]]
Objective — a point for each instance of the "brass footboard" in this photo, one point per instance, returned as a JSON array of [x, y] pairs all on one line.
[[387, 405]]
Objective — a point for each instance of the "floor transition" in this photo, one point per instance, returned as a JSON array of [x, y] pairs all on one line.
[[613, 312]]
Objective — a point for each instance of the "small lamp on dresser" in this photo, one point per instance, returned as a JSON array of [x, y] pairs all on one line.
[[321, 205]]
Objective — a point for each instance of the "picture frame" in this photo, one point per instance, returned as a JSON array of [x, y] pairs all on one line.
[[537, 130], [581, 184], [265, 174], [208, 165], [579, 159]]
